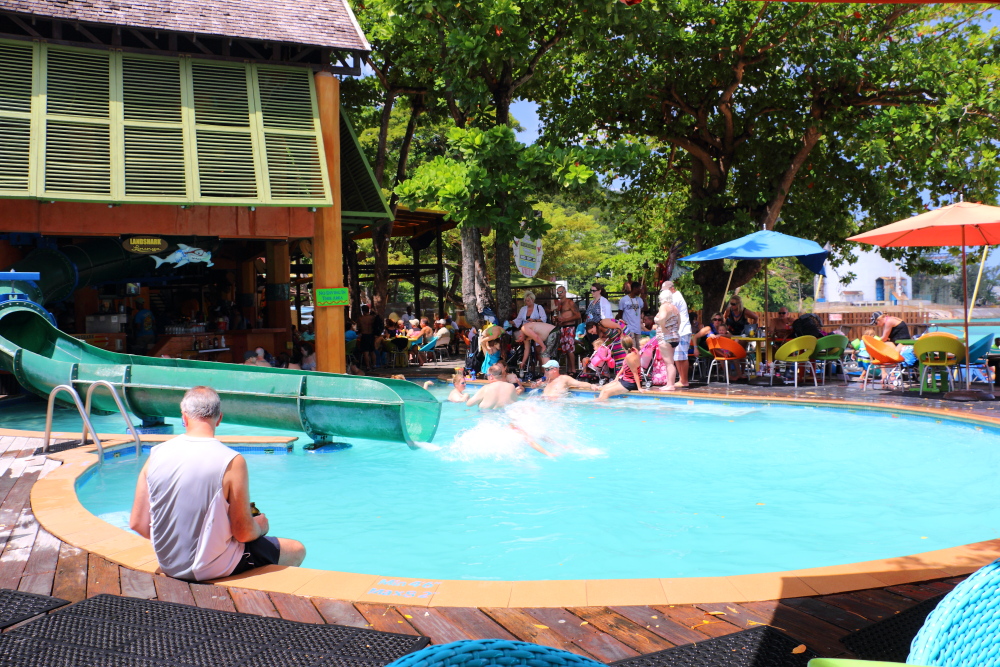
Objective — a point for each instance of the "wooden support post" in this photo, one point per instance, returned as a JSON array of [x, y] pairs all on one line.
[[416, 284], [277, 292], [440, 271], [328, 261], [246, 293]]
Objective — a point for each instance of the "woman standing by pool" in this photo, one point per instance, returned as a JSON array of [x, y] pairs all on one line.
[[666, 323], [628, 376], [489, 345]]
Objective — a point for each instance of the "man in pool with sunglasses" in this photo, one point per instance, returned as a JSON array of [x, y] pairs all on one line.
[[192, 501]]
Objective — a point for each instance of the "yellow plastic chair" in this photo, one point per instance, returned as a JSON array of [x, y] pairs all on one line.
[[797, 351], [938, 356], [842, 662]]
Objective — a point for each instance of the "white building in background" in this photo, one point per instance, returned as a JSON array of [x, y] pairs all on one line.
[[876, 280]]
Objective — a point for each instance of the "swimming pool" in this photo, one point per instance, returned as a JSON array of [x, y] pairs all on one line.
[[638, 488]]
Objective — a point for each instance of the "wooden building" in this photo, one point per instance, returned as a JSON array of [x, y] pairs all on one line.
[[205, 122]]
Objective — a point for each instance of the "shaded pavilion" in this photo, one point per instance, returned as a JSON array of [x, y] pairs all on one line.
[[204, 122]]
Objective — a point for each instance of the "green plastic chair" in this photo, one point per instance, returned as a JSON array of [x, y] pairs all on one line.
[[349, 348], [938, 356], [831, 348], [797, 351]]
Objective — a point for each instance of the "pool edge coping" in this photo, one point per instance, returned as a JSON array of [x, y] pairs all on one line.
[[57, 508]]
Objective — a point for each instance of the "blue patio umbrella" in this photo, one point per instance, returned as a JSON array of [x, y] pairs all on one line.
[[765, 244]]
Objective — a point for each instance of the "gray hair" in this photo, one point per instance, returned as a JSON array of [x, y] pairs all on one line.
[[201, 403]]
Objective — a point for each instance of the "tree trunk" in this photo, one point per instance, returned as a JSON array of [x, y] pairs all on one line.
[[505, 297], [351, 278], [382, 234], [475, 287], [383, 136], [712, 277]]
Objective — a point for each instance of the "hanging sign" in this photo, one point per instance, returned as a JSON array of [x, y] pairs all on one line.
[[332, 296], [528, 256], [144, 245]]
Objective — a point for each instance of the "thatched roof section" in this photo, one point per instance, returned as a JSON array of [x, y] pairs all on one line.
[[327, 23]]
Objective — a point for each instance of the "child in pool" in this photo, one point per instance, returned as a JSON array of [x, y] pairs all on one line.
[[457, 394]]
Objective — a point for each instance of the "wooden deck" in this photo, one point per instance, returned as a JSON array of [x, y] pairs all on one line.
[[33, 560]]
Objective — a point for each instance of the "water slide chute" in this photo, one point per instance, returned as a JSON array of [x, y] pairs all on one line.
[[323, 405]]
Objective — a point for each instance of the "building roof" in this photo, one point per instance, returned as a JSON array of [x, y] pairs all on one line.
[[327, 24]]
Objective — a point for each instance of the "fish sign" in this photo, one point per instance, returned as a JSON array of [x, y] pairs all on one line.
[[185, 254]]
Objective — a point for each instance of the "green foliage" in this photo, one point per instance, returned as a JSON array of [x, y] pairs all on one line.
[[490, 180], [574, 245], [811, 117]]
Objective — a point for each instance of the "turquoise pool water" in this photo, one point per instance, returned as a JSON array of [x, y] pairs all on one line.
[[638, 488]]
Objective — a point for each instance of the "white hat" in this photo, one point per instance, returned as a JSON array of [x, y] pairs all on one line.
[[440, 322], [414, 323], [551, 363]]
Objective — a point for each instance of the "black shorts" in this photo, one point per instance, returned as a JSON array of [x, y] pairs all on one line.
[[262, 551], [552, 343], [631, 386], [367, 343]]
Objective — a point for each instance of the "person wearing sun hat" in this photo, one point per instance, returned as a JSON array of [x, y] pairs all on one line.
[[489, 345], [893, 328]]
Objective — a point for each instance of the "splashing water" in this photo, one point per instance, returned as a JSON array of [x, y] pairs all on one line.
[[505, 434]]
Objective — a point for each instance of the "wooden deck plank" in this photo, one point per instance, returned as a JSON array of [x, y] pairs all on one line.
[[431, 623], [838, 616], [896, 603], [477, 624], [658, 624], [294, 608], [624, 630], [70, 582], [44, 553], [916, 592], [136, 584], [734, 613], [697, 620], [252, 602], [340, 612], [857, 604], [14, 502], [385, 618], [102, 577], [527, 629], [208, 596], [169, 589], [602, 646], [815, 633], [39, 584]]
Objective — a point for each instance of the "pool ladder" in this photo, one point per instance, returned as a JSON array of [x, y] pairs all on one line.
[[84, 410]]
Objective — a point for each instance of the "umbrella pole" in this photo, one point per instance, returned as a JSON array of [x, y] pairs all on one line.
[[979, 279], [722, 306], [765, 324], [965, 299]]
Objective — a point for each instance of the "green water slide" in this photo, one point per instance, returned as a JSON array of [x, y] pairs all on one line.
[[325, 406]]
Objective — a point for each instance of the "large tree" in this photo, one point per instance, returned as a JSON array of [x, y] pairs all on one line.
[[762, 114]]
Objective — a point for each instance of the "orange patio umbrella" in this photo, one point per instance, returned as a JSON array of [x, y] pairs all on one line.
[[963, 224]]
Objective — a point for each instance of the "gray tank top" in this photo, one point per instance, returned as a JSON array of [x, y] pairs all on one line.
[[189, 514]]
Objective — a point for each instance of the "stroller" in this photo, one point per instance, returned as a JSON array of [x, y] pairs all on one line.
[[651, 365]]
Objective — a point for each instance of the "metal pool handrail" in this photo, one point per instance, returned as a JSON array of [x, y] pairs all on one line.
[[121, 408], [83, 415]]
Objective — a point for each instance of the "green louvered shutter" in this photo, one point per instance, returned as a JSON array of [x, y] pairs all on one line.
[[16, 68], [226, 164], [88, 124], [295, 167], [77, 123], [153, 119]]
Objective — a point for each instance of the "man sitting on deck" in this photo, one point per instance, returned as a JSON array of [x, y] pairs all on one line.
[[497, 393], [192, 501]]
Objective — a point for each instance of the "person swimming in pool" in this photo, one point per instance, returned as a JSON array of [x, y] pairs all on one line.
[[497, 393], [457, 393]]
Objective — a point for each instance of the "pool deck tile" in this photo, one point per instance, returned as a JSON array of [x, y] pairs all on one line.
[[272, 578], [472, 594], [120, 542], [572, 593], [338, 585], [771, 586], [604, 592], [134, 556], [827, 584], [692, 590], [897, 577]]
